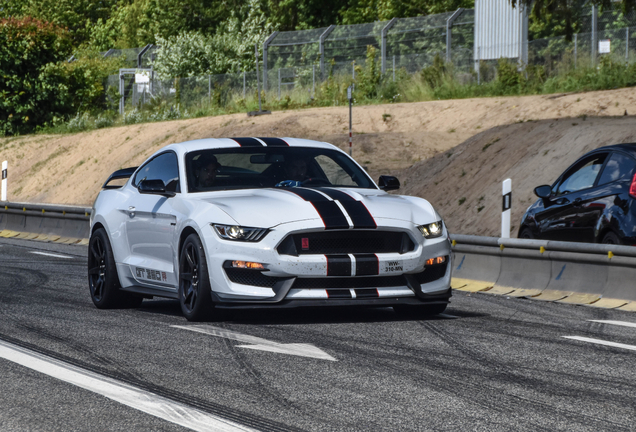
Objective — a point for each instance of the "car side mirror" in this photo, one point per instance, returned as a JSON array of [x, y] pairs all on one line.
[[543, 191], [388, 183], [155, 187]]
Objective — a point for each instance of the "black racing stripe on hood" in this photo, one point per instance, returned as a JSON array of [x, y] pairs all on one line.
[[248, 142], [331, 215], [274, 142], [358, 212]]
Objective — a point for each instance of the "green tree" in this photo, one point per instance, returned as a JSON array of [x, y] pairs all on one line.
[[27, 45], [230, 49], [364, 11], [75, 15]]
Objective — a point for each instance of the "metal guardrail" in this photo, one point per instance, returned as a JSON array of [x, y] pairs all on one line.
[[46, 210], [50, 222], [597, 274]]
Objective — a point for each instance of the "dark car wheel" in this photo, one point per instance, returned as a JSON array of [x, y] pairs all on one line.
[[611, 238], [415, 311], [103, 281], [526, 233], [194, 282]]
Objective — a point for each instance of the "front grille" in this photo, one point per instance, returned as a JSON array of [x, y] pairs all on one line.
[[251, 277], [351, 282], [346, 242]]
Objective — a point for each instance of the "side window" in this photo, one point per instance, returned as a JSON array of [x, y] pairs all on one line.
[[334, 172], [618, 167], [164, 167], [582, 175]]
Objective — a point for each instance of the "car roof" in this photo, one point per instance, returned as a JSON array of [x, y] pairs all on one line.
[[220, 143], [629, 148]]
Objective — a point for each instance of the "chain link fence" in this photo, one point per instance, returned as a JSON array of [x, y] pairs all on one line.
[[296, 63]]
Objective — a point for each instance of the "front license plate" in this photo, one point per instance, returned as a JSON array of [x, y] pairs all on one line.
[[393, 267]]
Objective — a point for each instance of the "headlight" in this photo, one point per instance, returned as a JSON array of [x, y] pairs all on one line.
[[239, 233], [432, 230]]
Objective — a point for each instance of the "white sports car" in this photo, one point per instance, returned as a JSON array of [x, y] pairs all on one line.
[[263, 222]]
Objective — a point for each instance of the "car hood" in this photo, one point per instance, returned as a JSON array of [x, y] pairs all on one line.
[[270, 207]]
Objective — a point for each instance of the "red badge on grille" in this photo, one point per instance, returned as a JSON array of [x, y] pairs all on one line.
[[305, 243]]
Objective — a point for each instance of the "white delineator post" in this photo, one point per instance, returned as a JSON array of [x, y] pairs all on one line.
[[3, 197], [506, 192]]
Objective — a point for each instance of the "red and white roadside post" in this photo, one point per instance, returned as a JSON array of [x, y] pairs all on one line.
[[3, 196], [350, 97], [506, 192]]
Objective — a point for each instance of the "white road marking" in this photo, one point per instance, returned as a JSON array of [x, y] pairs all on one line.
[[602, 342], [141, 400], [51, 254], [447, 316], [297, 349], [618, 323]]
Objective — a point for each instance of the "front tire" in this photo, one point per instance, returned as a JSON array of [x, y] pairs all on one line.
[[611, 238], [103, 281], [526, 233], [195, 295], [417, 311]]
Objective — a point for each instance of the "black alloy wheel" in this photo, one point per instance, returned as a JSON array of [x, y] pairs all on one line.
[[103, 281], [195, 295]]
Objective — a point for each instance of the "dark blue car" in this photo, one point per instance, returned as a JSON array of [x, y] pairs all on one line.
[[593, 201]]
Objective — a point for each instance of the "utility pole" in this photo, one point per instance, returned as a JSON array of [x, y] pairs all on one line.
[[258, 89], [350, 97]]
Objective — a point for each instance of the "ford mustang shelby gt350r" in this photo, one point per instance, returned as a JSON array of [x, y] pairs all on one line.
[[263, 222]]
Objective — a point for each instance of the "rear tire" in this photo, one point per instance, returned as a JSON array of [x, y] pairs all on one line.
[[611, 238], [103, 281], [195, 295]]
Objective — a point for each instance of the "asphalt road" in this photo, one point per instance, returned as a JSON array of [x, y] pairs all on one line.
[[491, 363]]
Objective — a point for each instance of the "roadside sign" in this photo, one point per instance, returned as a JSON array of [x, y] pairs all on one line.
[[604, 46]]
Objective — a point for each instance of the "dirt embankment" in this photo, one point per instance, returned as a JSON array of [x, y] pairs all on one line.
[[70, 169], [464, 183]]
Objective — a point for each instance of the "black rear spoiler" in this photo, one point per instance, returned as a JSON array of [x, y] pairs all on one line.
[[123, 173]]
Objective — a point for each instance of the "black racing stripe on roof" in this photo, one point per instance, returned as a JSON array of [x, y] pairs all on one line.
[[274, 142], [248, 142]]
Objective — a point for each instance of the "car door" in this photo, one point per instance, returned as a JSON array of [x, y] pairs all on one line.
[[151, 224], [569, 213], [613, 186]]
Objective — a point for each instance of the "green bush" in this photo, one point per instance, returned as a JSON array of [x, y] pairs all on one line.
[[26, 46]]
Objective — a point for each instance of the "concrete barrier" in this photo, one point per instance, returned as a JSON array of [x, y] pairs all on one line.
[[577, 273], [45, 222]]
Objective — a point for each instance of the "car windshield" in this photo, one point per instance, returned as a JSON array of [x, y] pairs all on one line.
[[263, 167]]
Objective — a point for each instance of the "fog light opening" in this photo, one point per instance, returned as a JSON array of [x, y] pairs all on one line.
[[436, 260], [247, 265]]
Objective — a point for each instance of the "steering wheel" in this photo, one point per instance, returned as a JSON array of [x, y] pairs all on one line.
[[315, 182]]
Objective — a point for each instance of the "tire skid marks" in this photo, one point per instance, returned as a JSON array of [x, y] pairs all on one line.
[[209, 407], [241, 358], [510, 376]]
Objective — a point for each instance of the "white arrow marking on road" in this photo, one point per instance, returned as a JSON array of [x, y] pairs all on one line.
[[602, 342], [123, 393], [297, 349], [618, 323]]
